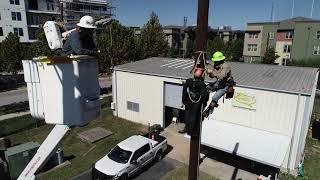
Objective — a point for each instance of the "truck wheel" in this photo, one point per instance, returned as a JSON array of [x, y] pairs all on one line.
[[159, 156], [124, 177]]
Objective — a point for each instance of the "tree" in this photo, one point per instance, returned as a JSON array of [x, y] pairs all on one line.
[[269, 56], [153, 42], [116, 45], [190, 48], [11, 54], [236, 49], [40, 47], [217, 44]]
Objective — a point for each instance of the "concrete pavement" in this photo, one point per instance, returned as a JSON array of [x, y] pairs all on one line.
[[152, 172], [13, 96], [180, 152], [21, 94]]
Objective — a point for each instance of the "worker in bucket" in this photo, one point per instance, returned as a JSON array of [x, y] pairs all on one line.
[[195, 97], [80, 41], [220, 73]]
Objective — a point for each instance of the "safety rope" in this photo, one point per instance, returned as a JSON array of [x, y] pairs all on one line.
[[196, 62], [192, 99]]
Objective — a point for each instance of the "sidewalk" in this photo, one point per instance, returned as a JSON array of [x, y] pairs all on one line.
[[13, 115]]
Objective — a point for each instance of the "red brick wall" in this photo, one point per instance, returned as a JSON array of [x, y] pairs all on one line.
[[281, 36]]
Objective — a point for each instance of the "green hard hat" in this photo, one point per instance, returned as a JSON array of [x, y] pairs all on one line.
[[218, 56]]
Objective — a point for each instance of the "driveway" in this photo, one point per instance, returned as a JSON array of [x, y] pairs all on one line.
[[21, 94], [180, 152], [152, 172]]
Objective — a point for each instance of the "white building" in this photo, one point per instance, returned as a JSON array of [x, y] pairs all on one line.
[[24, 17], [13, 19], [267, 120]]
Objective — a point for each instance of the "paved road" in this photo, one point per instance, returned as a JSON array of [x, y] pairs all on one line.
[[153, 172], [20, 95]]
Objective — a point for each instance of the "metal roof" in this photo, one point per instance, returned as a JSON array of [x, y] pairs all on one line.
[[286, 24], [299, 80]]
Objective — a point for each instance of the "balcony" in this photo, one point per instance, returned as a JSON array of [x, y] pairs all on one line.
[[43, 12]]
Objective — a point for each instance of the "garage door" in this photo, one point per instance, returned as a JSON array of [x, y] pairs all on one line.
[[173, 95], [266, 147]]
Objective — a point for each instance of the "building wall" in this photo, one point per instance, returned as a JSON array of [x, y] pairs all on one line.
[[8, 24], [281, 113], [248, 40], [279, 51], [263, 41], [266, 41], [252, 59], [275, 112], [281, 36], [146, 90], [304, 40]]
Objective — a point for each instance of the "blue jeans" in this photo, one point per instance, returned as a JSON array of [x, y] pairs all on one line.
[[219, 93]]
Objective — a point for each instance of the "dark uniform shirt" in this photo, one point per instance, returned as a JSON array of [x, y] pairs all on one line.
[[76, 46], [195, 98]]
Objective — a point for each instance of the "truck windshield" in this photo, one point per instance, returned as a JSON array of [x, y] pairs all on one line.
[[119, 155]]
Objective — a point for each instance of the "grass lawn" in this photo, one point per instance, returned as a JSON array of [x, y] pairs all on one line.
[[182, 174], [13, 125], [84, 154]]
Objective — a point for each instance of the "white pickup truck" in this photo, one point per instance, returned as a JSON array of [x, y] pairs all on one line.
[[130, 156]]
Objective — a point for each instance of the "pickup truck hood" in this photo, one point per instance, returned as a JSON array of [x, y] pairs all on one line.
[[109, 167]]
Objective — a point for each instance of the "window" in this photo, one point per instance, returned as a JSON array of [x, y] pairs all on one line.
[[284, 61], [18, 31], [252, 47], [287, 48], [140, 152], [16, 2], [317, 34], [316, 50], [271, 35], [1, 31], [253, 35], [16, 16], [133, 106], [289, 35]]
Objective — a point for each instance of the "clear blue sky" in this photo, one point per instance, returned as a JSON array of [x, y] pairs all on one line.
[[221, 12]]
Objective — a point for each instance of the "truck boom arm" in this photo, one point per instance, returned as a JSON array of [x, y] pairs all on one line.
[[44, 152]]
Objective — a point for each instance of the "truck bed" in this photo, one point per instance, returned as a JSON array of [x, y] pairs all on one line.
[[155, 138]]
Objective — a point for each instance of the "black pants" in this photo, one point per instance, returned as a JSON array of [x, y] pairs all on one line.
[[192, 116]]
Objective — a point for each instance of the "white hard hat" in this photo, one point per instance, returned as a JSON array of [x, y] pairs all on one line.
[[87, 22]]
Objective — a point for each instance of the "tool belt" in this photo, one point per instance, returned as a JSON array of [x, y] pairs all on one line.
[[230, 91]]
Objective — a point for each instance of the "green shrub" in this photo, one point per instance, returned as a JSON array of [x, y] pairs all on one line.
[[309, 62]]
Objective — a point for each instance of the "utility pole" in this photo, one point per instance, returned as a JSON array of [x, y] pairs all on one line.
[[201, 42], [312, 6], [292, 10], [61, 11]]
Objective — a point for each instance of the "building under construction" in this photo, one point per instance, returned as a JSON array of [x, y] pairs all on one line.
[[28, 15]]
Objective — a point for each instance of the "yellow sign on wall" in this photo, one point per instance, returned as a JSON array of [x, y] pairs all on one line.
[[243, 100]]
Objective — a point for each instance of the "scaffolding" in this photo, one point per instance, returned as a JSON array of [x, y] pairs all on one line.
[[73, 10]]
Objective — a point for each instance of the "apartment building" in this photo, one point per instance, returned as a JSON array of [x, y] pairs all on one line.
[[13, 19], [295, 38], [24, 17]]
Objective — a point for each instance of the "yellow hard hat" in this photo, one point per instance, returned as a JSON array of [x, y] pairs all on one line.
[[218, 56]]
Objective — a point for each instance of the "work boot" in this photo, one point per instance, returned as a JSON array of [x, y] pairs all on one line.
[[210, 108], [182, 131]]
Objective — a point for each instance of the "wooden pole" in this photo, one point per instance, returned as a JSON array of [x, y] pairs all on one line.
[[201, 42]]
